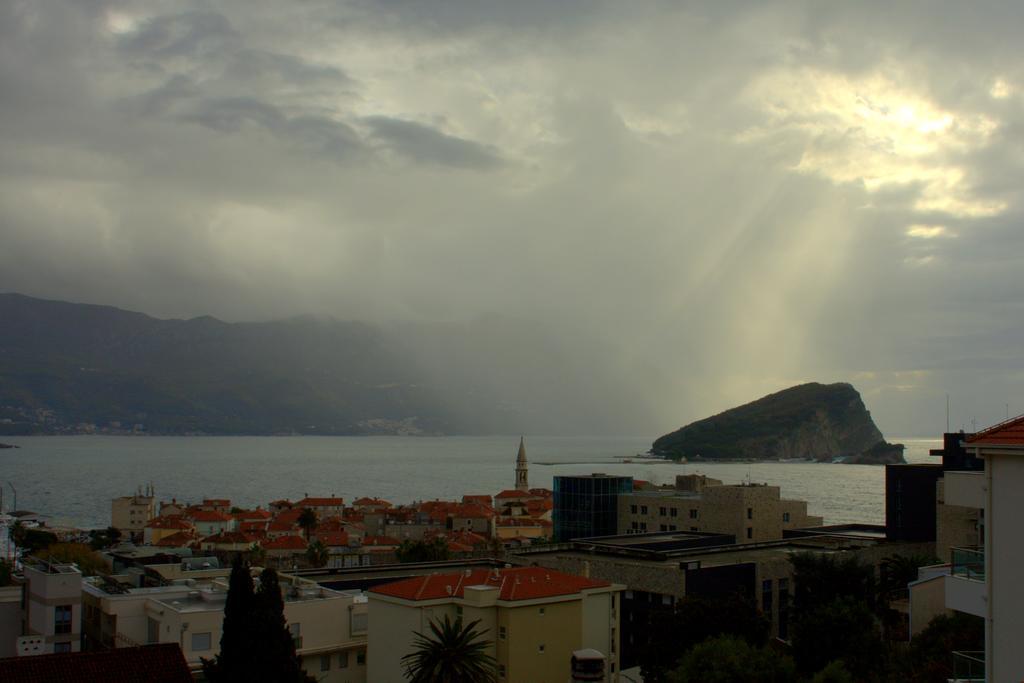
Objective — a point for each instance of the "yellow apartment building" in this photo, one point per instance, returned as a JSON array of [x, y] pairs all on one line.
[[534, 618]]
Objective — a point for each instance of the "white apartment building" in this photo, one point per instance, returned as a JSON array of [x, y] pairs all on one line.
[[329, 627], [53, 605], [986, 581]]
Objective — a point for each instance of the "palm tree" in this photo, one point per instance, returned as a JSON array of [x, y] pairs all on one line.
[[452, 653], [308, 521], [317, 554]]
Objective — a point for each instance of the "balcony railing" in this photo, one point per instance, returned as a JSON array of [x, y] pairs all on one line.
[[968, 563], [969, 666]]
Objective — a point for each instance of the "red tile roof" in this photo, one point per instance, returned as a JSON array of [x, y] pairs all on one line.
[[371, 501], [250, 526], [320, 502], [1008, 433], [208, 516], [251, 515], [176, 540], [483, 499], [281, 526], [513, 493], [160, 663], [472, 511], [169, 522], [523, 583], [286, 543], [229, 538]]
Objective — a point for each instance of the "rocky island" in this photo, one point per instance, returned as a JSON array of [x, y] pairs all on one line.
[[822, 422]]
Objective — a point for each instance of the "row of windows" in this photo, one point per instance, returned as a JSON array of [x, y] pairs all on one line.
[[325, 660], [694, 514]]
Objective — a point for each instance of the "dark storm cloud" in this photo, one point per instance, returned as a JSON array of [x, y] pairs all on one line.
[[429, 145], [686, 205]]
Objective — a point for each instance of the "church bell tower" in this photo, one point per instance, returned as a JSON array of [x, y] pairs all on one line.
[[522, 478]]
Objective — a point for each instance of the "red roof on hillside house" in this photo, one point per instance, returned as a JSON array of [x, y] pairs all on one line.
[[252, 525], [512, 493], [208, 516], [176, 540], [286, 543], [377, 502], [289, 516], [244, 515], [320, 502], [229, 538], [472, 510], [483, 499], [159, 663], [522, 583], [1008, 433], [169, 522]]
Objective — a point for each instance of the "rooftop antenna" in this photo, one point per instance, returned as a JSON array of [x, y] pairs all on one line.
[[947, 412]]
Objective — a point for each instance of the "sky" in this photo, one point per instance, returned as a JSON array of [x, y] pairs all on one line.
[[692, 204]]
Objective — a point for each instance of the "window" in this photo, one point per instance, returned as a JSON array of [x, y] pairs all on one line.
[[750, 532], [693, 528], [643, 509], [785, 516], [62, 619], [540, 648], [693, 513], [296, 631], [542, 611], [750, 513], [325, 662], [343, 660], [643, 526], [200, 641], [152, 630], [674, 512], [361, 657], [501, 671], [662, 527], [502, 633], [766, 597], [672, 527], [632, 509], [61, 647], [634, 525], [663, 512], [458, 611]]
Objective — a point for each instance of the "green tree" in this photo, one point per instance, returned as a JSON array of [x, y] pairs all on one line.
[[273, 648], [843, 630], [30, 540], [233, 664], [308, 521], [820, 579], [255, 644], [674, 631], [317, 554], [727, 659], [929, 657], [104, 538], [423, 551], [836, 672], [79, 554], [451, 653]]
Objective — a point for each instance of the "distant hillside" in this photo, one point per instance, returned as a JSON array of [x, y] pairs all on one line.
[[819, 421], [73, 368]]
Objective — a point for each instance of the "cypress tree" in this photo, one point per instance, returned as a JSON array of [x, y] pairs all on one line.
[[272, 651], [233, 663]]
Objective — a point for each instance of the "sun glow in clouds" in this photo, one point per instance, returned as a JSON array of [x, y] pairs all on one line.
[[873, 131], [928, 231]]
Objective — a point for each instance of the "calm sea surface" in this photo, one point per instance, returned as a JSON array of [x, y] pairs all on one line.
[[72, 478]]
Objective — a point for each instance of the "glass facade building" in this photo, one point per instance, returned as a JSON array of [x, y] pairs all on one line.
[[587, 505]]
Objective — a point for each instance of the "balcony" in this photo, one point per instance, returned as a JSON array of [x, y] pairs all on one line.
[[965, 588], [968, 667], [968, 563]]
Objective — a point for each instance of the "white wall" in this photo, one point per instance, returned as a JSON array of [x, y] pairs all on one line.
[[1005, 566]]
